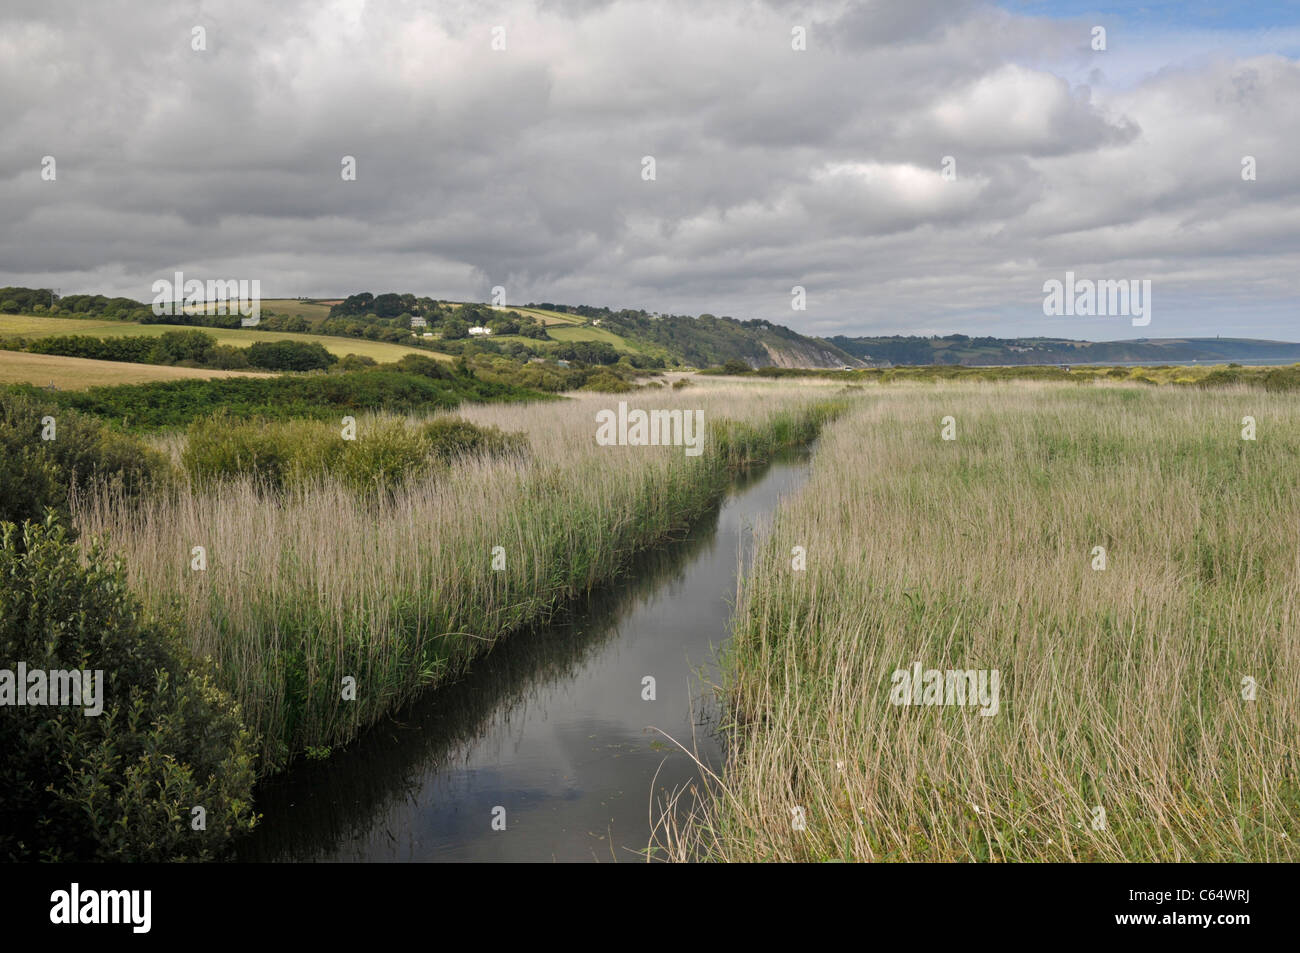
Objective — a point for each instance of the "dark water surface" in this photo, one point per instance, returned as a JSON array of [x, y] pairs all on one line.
[[551, 725]]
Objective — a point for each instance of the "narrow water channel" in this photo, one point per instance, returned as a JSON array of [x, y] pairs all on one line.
[[551, 726]]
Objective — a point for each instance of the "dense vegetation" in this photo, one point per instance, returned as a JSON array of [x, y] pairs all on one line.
[[47, 453], [1124, 729], [120, 785], [380, 457], [185, 349], [44, 301], [317, 396], [400, 590], [648, 340]]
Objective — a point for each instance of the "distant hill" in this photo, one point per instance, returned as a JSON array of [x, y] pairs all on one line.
[[568, 332], [600, 335], [976, 351]]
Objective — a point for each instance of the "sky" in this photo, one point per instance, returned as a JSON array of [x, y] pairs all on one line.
[[524, 167]]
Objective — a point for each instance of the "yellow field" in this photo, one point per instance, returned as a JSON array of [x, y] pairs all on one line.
[[291, 306], [549, 318], [28, 326], [76, 373]]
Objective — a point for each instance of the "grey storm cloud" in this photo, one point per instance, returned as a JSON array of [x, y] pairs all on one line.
[[774, 167]]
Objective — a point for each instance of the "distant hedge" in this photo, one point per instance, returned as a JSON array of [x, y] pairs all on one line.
[[318, 396]]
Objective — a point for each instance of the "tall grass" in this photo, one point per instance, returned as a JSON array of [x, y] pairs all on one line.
[[1121, 689], [314, 583]]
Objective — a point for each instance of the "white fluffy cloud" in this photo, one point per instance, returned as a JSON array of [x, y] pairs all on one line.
[[775, 167]]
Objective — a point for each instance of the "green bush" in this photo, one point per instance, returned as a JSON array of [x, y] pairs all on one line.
[[384, 454], [119, 786], [450, 437], [605, 382], [355, 362], [173, 347], [1283, 378], [282, 397], [290, 356], [36, 474], [220, 446], [424, 366]]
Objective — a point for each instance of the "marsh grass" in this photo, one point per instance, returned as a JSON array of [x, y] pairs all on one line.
[[1120, 688], [312, 583]]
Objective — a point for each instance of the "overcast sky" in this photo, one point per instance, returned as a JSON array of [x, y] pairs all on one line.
[[774, 167]]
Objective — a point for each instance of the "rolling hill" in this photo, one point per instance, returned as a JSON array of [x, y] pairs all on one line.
[[982, 351]]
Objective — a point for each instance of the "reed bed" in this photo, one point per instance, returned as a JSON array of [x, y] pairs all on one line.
[[312, 583], [1123, 690]]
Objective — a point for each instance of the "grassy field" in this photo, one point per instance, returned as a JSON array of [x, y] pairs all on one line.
[[584, 333], [1127, 728], [290, 306], [27, 326], [550, 318], [308, 586], [75, 373]]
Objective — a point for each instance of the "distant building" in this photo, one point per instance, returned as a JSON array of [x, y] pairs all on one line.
[[418, 322], [480, 330]]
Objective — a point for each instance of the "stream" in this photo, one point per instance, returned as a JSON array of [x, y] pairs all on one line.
[[548, 735]]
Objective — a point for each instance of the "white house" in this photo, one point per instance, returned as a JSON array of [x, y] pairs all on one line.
[[480, 330]]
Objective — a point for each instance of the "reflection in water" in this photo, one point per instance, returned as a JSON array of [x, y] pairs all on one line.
[[551, 725]]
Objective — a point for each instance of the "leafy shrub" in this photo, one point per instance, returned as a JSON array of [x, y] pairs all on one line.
[[36, 474], [290, 356], [384, 454], [220, 447], [1283, 378], [424, 366], [121, 785], [228, 358], [355, 362], [450, 437], [605, 382], [1220, 377], [139, 350], [173, 347]]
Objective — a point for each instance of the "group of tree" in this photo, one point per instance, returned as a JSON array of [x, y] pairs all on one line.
[[45, 302], [188, 348]]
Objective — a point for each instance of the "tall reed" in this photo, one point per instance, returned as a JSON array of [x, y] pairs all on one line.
[[312, 584], [1124, 690]]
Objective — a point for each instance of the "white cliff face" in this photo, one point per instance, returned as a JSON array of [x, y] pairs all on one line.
[[807, 355]]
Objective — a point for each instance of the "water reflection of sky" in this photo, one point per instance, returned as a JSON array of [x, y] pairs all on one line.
[[551, 726]]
